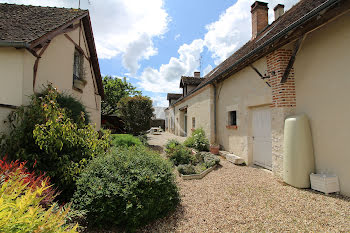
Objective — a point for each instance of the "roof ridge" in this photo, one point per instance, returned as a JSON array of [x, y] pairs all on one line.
[[51, 7]]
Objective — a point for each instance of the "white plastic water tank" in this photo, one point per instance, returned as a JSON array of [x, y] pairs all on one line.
[[298, 156]]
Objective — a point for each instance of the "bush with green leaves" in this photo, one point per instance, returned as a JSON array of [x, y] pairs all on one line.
[[170, 145], [136, 113], [198, 163], [179, 154], [74, 108], [186, 169], [143, 138], [43, 135], [128, 187], [125, 140], [198, 140], [210, 160]]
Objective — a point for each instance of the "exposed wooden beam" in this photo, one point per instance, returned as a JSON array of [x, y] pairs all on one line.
[[36, 64], [62, 29], [8, 106], [261, 76], [77, 47], [292, 59]]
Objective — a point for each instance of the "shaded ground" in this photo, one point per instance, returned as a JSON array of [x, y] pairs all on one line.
[[237, 198]]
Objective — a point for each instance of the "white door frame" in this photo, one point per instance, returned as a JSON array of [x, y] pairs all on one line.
[[262, 138]]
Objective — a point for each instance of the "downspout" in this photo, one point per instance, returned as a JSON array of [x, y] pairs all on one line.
[[214, 85]]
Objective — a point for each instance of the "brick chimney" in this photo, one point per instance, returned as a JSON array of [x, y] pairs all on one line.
[[260, 20], [197, 74], [279, 11]]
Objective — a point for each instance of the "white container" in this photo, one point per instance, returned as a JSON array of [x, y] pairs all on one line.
[[325, 183], [298, 157]]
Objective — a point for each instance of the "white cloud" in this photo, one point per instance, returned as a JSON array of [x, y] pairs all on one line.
[[233, 29], [166, 79], [207, 70], [159, 101], [177, 37], [223, 37], [121, 27]]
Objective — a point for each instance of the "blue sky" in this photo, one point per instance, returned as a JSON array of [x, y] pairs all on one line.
[[154, 42], [186, 24]]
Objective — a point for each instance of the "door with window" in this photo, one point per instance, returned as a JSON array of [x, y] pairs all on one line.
[[262, 141]]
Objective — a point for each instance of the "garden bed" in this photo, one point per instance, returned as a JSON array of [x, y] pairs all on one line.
[[197, 176]]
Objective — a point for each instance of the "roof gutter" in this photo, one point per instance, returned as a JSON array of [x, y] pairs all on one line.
[[18, 45], [294, 25], [4, 43]]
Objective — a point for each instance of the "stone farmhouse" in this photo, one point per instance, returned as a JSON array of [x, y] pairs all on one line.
[[296, 64], [41, 45]]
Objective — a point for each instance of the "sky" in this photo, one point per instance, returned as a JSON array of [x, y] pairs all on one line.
[[154, 42]]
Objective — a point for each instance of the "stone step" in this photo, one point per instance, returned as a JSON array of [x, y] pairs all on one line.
[[234, 159], [231, 157], [223, 153]]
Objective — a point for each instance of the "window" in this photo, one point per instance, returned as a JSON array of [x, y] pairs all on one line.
[[78, 65], [193, 123], [232, 118]]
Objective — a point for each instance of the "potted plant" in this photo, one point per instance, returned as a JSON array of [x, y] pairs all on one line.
[[214, 148]]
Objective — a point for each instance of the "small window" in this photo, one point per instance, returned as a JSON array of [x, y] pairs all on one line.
[[78, 65], [232, 118], [193, 123]]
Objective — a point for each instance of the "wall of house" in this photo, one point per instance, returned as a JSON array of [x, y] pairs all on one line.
[[189, 88], [200, 106], [13, 65], [322, 88], [242, 92], [11, 77], [56, 66]]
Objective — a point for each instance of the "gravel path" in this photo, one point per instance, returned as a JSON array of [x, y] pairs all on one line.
[[238, 198]]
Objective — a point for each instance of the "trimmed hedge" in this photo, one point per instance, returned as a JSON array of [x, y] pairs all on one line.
[[128, 187]]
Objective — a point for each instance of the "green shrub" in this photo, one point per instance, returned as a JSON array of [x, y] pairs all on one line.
[[127, 187], [210, 160], [198, 140], [125, 140], [186, 169], [136, 113], [171, 145], [43, 135], [143, 138], [74, 108], [189, 142], [21, 210], [179, 155]]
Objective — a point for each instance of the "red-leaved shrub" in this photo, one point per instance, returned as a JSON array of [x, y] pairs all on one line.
[[7, 169]]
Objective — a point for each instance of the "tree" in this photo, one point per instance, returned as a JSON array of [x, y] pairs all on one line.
[[136, 113], [115, 89]]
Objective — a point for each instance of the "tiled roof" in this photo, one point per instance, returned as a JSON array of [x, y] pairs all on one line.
[[173, 96], [190, 80], [254, 49], [30, 24], [20, 23]]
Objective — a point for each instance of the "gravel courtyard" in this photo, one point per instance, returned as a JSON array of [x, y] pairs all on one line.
[[239, 198]]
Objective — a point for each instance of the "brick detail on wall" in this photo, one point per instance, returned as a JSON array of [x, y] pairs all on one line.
[[283, 94]]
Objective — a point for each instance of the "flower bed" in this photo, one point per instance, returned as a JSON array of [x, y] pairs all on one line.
[[190, 165]]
